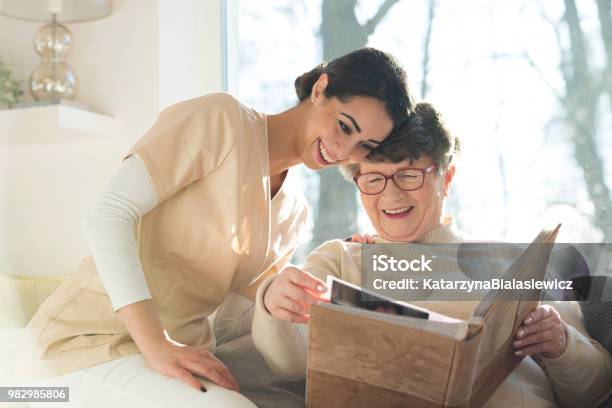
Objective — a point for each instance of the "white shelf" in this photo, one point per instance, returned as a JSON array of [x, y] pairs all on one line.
[[49, 124]]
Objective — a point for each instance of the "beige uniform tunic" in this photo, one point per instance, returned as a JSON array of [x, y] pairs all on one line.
[[215, 229]]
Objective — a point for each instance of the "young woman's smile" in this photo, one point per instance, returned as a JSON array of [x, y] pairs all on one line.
[[324, 156]]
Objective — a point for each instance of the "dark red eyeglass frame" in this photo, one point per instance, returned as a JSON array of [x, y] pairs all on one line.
[[424, 171]]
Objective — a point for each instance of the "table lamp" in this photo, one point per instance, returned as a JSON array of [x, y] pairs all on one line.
[[54, 80]]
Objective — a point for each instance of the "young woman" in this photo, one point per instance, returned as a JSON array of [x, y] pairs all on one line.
[[199, 208], [403, 191]]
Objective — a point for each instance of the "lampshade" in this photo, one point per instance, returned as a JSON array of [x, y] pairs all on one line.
[[68, 11]]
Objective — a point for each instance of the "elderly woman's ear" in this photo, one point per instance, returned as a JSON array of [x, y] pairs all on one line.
[[448, 175]]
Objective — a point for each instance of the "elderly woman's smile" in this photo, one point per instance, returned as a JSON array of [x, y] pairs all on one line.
[[397, 212]]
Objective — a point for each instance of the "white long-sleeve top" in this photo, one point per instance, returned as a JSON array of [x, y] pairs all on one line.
[[109, 227]]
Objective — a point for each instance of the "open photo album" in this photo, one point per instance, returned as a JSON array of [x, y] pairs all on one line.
[[368, 348]]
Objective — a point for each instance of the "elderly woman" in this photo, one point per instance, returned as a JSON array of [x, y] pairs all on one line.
[[403, 189]]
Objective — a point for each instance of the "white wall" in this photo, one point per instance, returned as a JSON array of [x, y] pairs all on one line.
[[144, 56], [190, 49]]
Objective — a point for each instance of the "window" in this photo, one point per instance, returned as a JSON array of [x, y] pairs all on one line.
[[528, 101]]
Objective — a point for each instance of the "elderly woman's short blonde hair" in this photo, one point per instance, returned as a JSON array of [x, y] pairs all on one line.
[[425, 133]]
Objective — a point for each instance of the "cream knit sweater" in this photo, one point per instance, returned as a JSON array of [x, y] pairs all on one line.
[[580, 377]]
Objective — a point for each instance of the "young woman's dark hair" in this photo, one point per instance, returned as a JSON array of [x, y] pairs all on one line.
[[363, 72], [426, 133]]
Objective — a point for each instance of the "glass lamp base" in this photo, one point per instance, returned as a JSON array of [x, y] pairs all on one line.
[[53, 81]]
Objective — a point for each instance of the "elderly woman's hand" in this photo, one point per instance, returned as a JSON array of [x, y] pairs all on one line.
[[291, 293], [362, 238], [542, 332]]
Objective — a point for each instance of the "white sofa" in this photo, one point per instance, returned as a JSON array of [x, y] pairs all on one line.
[[9, 342], [20, 297]]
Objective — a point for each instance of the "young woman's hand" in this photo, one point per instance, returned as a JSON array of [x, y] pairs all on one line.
[[291, 293], [362, 238], [542, 332], [182, 362], [167, 356]]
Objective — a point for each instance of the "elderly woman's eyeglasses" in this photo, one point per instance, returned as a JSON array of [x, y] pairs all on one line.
[[405, 179]]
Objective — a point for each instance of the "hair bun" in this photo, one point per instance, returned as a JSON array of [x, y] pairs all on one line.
[[425, 110]]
